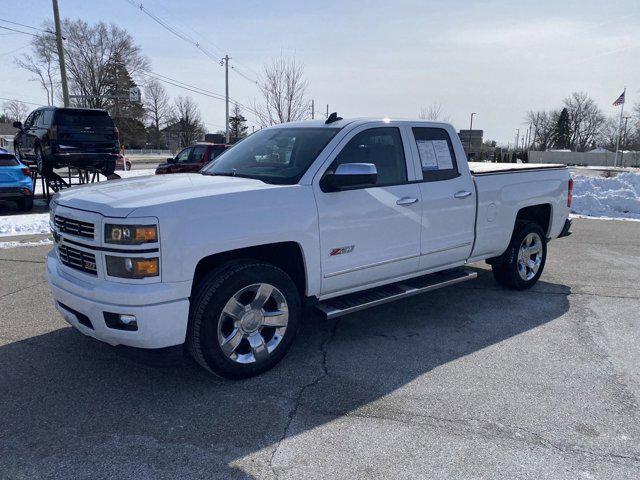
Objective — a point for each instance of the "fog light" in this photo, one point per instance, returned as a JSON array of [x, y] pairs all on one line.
[[121, 321]]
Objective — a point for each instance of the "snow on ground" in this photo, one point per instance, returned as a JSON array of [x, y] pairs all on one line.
[[613, 197], [39, 243], [26, 224]]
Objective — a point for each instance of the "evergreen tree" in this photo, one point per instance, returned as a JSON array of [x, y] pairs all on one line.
[[127, 115], [237, 125], [562, 131]]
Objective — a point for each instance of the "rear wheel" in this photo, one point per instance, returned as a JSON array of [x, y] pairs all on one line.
[[521, 265], [108, 168], [243, 319]]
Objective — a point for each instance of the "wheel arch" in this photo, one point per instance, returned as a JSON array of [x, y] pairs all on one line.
[[287, 256], [540, 213]]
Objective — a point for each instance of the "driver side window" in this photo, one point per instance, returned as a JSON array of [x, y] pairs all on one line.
[[183, 156], [381, 147]]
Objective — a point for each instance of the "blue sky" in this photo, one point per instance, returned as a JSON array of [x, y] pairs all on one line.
[[379, 58]]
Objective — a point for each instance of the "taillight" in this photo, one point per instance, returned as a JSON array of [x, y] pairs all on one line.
[[116, 135], [53, 133], [570, 193], [26, 171]]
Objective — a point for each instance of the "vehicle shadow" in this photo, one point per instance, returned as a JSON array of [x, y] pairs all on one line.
[[72, 407]]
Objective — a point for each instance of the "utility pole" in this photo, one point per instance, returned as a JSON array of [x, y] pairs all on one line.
[[226, 95], [624, 140], [517, 138], [327, 110], [312, 110], [470, 128], [63, 68]]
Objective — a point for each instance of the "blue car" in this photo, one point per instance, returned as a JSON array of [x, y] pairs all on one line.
[[15, 182]]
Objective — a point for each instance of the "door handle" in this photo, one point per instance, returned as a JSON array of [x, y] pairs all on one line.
[[406, 201], [462, 194]]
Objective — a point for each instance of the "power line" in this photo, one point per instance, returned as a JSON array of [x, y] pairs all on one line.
[[25, 26], [15, 50], [246, 77], [22, 101], [19, 31]]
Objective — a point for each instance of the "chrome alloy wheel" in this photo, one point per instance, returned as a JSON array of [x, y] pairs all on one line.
[[530, 256], [253, 323]]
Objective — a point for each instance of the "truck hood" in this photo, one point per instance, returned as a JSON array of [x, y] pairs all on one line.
[[119, 198]]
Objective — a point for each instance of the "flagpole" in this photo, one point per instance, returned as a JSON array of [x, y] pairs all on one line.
[[615, 163]]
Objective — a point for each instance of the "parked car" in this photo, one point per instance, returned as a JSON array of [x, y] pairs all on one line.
[[77, 137], [341, 215], [122, 163], [15, 181], [193, 158]]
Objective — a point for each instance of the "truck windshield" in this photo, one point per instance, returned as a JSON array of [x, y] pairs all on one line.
[[280, 155]]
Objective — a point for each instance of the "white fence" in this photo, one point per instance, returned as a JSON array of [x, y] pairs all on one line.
[[148, 151], [605, 159]]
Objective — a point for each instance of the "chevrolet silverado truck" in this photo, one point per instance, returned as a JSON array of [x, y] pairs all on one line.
[[338, 215]]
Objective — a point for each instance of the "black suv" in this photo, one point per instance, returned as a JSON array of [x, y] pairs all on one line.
[[77, 137]]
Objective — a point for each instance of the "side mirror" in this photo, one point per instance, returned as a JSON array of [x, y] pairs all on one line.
[[351, 175], [171, 160], [17, 125]]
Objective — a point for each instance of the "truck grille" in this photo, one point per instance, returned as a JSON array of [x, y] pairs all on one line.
[[74, 227], [77, 259]]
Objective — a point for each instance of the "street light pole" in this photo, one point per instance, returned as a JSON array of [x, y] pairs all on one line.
[[63, 68], [624, 140], [226, 97], [470, 128]]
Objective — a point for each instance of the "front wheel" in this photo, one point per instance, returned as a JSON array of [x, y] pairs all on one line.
[[44, 167], [521, 265], [243, 319], [108, 168]]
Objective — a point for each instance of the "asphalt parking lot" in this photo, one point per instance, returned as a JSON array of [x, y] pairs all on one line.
[[471, 381]]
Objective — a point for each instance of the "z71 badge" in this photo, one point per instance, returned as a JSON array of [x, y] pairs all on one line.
[[341, 250]]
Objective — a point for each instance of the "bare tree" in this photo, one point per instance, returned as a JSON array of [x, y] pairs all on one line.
[[544, 123], [586, 120], [90, 52], [15, 111], [433, 112], [284, 90], [188, 121], [158, 109], [608, 133], [43, 64]]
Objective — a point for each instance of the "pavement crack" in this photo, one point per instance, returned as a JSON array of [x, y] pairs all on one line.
[[22, 289], [324, 348]]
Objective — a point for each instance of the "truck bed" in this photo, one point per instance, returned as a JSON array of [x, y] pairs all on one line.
[[488, 168]]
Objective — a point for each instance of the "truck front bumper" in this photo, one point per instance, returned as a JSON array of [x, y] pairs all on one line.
[[161, 310]]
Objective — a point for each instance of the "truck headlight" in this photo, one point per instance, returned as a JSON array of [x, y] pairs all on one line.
[[130, 234], [125, 267]]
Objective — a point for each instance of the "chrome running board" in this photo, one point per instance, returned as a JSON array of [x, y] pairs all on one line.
[[354, 302]]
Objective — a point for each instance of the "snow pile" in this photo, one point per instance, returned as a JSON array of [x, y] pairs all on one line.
[[28, 224], [613, 197]]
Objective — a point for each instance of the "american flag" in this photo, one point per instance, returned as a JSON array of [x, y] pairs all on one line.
[[620, 100]]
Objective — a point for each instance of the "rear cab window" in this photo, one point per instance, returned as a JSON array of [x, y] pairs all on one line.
[[436, 154], [83, 118], [197, 155]]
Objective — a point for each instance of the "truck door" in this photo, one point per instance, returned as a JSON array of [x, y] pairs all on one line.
[[370, 234], [448, 198]]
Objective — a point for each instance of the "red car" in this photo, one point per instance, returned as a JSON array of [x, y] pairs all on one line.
[[192, 159]]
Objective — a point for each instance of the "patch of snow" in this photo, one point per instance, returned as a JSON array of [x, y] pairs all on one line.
[[40, 243], [614, 197], [27, 224]]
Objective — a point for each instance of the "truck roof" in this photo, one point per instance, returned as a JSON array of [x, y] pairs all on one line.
[[358, 121]]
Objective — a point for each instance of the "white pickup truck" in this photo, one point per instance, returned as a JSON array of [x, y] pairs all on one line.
[[339, 215]]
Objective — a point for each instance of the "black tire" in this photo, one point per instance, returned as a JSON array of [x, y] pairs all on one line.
[[108, 168], [25, 204], [505, 268], [44, 167], [206, 314]]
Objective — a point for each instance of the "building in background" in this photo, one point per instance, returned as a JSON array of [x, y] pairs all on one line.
[[472, 148]]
